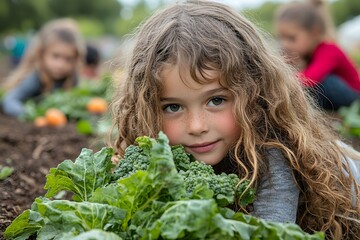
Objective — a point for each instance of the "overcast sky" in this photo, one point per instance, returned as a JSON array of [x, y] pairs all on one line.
[[236, 3]]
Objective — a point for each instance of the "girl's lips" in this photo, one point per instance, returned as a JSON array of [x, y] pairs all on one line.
[[203, 147]]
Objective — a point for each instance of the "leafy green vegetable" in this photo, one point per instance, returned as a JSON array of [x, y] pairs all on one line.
[[193, 172], [5, 172], [52, 218], [84, 127], [351, 119], [95, 234], [151, 203], [89, 172], [71, 102], [25, 225]]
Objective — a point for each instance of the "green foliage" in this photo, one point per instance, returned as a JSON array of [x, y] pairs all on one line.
[[351, 120], [98, 17], [89, 172], [147, 204], [91, 235], [32, 14], [73, 104], [344, 10], [91, 28], [134, 159], [195, 174], [84, 127], [138, 13], [356, 58], [2, 93], [263, 15], [5, 172]]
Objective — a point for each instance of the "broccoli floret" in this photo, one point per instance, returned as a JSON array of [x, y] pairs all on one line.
[[223, 185], [181, 158], [134, 159], [195, 174]]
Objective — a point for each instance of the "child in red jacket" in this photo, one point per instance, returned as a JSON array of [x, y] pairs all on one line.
[[328, 71]]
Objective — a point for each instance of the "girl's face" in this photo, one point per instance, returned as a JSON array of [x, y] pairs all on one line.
[[59, 60], [198, 116], [296, 40]]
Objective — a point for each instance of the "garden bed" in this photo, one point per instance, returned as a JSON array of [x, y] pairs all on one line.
[[31, 151]]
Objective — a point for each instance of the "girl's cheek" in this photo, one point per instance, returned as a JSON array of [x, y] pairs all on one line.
[[173, 131]]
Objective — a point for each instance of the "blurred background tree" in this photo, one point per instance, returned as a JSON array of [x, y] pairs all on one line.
[[22, 15], [117, 18], [344, 10]]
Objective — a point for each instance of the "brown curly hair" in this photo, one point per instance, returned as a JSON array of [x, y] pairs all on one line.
[[270, 106]]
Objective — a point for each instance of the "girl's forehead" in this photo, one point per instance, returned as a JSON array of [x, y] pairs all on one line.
[[189, 75]]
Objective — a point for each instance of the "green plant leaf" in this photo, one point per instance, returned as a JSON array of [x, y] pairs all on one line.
[[25, 225], [147, 204], [89, 172], [95, 234], [5, 172], [127, 194], [61, 216], [192, 216], [84, 127]]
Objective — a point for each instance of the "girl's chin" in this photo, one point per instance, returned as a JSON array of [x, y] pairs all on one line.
[[211, 162]]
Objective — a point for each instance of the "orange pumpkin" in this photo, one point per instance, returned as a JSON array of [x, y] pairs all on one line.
[[97, 105], [55, 117]]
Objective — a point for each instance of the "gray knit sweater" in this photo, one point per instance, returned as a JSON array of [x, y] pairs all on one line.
[[277, 194]]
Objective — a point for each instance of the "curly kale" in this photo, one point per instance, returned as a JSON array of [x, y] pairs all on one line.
[[196, 174]]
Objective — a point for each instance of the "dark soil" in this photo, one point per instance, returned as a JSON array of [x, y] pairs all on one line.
[[31, 151]]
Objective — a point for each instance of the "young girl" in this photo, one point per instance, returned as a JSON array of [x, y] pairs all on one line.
[[328, 73], [203, 74], [51, 62]]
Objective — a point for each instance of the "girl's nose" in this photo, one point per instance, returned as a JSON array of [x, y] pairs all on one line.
[[197, 123]]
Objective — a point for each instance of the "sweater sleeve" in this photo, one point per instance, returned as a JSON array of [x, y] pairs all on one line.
[[323, 62], [13, 101], [277, 194]]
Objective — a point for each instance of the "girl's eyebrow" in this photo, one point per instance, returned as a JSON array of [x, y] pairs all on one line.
[[206, 93]]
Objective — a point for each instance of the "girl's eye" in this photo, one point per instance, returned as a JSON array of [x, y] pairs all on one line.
[[172, 108], [216, 101]]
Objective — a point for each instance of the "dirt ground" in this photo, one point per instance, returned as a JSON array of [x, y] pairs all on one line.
[[32, 151]]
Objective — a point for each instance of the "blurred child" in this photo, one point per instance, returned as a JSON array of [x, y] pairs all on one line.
[[203, 74], [92, 60], [328, 73], [51, 62]]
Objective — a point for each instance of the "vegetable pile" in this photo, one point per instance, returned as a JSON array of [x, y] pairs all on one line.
[[155, 192], [83, 104]]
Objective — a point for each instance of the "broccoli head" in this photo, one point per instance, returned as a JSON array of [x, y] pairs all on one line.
[[223, 185], [196, 174], [135, 159]]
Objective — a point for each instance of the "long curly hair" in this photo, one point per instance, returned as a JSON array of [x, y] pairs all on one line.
[[270, 106], [63, 30]]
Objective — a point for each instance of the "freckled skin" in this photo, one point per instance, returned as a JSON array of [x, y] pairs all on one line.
[[198, 114]]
